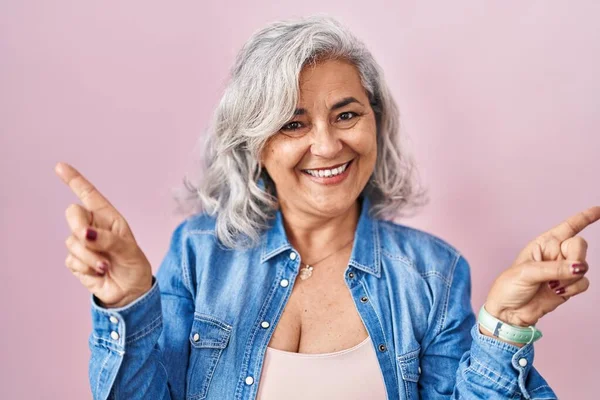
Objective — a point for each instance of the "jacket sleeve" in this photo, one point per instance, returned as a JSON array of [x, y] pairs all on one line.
[[141, 351], [459, 362]]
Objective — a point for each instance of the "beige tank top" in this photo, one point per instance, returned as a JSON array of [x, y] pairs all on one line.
[[352, 373]]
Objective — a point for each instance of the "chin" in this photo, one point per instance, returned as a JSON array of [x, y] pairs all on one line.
[[332, 205]]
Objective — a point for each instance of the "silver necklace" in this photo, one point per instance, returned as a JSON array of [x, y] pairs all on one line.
[[306, 271]]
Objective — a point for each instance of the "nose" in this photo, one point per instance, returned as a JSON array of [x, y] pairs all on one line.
[[325, 142]]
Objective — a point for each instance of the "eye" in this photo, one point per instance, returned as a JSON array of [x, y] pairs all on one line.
[[292, 126], [346, 116]]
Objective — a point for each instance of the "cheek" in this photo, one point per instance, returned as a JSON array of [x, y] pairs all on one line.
[[281, 157]]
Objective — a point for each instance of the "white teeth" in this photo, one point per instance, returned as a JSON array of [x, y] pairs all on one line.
[[327, 172]]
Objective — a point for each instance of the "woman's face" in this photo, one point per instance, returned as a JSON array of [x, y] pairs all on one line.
[[321, 160]]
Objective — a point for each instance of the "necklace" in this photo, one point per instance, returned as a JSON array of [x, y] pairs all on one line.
[[306, 271]]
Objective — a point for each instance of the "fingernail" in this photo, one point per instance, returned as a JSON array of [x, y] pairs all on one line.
[[553, 284], [578, 269], [560, 291], [91, 234], [102, 266]]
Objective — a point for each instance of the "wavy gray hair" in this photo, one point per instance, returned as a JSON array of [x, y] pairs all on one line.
[[259, 99]]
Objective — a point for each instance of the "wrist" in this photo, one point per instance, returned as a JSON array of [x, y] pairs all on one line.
[[131, 297], [485, 332]]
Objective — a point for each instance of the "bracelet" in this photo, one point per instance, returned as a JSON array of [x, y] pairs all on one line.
[[504, 331]]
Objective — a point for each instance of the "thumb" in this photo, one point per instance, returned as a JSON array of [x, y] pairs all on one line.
[[545, 271]]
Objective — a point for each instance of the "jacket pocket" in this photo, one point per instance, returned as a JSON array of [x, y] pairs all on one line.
[[410, 370], [208, 337]]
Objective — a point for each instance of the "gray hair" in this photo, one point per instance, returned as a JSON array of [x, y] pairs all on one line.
[[259, 99]]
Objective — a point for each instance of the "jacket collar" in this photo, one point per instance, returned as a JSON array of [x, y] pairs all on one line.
[[365, 255]]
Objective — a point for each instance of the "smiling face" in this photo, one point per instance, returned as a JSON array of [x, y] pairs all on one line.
[[321, 160]]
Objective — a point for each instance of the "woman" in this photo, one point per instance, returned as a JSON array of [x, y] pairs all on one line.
[[291, 282]]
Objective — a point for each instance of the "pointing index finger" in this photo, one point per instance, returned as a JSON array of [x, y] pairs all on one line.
[[90, 196], [574, 224]]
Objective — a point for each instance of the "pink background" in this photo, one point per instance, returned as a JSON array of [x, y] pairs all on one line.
[[500, 100]]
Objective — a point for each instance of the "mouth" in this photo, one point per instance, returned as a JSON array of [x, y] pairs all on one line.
[[329, 172]]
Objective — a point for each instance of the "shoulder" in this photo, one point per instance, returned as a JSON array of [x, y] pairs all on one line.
[[426, 253]]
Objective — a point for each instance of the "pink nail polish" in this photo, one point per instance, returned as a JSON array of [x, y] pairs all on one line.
[[560, 291], [578, 269], [91, 234], [553, 284]]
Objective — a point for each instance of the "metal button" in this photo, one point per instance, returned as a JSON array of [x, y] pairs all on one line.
[[196, 337], [351, 275], [292, 255], [249, 380], [523, 362], [114, 335], [284, 283], [382, 347], [419, 369], [114, 319], [364, 299], [264, 324]]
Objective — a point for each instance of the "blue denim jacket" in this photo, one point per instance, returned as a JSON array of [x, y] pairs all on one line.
[[198, 333]]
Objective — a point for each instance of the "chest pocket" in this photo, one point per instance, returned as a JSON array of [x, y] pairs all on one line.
[[208, 337], [409, 364]]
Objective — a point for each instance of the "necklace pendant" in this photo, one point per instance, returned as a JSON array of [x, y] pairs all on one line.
[[306, 272]]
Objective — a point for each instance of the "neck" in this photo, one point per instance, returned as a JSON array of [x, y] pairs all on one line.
[[315, 236]]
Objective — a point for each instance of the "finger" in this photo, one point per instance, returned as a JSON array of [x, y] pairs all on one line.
[[78, 217], [546, 271], [87, 256], [574, 224], [79, 267], [573, 289], [574, 248], [98, 239], [83, 189]]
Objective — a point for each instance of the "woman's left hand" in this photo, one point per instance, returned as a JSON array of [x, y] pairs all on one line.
[[527, 291]]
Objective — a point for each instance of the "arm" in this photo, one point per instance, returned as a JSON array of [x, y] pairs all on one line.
[[146, 357], [460, 362]]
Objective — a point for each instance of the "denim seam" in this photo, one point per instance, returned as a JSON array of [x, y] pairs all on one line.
[[107, 344], [444, 310], [390, 355], [148, 329], [399, 227], [255, 330], [154, 291], [502, 381], [479, 374], [102, 372], [185, 272]]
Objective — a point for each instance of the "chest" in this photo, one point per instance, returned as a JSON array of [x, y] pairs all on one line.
[[320, 315]]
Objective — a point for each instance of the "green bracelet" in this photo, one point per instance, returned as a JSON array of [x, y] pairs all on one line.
[[504, 331]]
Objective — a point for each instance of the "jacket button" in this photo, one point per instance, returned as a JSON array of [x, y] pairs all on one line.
[[196, 337], [284, 283], [292, 256], [382, 348], [523, 362], [249, 380], [351, 275], [114, 319], [364, 299], [264, 324], [114, 335]]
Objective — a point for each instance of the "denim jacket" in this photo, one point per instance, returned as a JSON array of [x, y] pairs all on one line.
[[199, 332]]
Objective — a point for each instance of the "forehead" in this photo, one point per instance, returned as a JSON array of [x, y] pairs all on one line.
[[330, 80]]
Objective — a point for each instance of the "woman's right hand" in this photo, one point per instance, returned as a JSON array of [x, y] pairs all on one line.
[[128, 274]]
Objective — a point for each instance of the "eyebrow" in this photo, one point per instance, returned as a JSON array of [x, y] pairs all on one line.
[[342, 103]]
